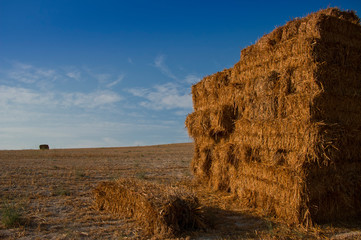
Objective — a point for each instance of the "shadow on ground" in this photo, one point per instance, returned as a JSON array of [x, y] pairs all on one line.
[[226, 224]]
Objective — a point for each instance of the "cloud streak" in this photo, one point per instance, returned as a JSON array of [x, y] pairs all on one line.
[[74, 75], [31, 76], [159, 63], [28, 74], [116, 82], [90, 100], [191, 79], [17, 95], [42, 87], [164, 97]]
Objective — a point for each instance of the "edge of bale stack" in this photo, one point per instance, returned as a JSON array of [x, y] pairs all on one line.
[[161, 210]]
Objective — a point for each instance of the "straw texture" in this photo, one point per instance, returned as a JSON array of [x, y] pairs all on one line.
[[162, 211], [281, 129]]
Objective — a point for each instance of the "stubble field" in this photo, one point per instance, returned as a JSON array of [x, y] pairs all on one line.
[[51, 193]]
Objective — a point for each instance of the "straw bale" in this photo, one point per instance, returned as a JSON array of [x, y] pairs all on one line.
[[281, 129], [270, 189], [202, 159], [160, 210], [213, 90], [220, 169], [44, 147], [336, 200], [212, 122], [198, 123]]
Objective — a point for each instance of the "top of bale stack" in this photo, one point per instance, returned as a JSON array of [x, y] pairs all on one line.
[[313, 25], [299, 57]]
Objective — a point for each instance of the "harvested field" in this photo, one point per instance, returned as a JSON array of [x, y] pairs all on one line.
[[53, 191]]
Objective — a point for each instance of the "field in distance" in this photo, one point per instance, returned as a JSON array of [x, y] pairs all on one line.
[[49, 193]]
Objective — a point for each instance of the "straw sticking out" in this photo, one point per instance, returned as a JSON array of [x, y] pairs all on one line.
[[160, 210], [281, 129]]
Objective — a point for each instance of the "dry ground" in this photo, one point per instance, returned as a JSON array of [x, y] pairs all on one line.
[[52, 189]]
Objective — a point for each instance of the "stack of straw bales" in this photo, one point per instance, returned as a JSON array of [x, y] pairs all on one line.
[[281, 129], [161, 210]]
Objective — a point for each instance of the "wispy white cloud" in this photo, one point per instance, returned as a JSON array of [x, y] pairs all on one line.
[[138, 92], [159, 63], [172, 95], [119, 79], [192, 79], [166, 96], [28, 74], [102, 77], [19, 95], [13, 97], [91, 100], [74, 75], [19, 73]]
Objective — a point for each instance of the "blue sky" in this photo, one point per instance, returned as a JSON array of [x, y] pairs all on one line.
[[106, 73]]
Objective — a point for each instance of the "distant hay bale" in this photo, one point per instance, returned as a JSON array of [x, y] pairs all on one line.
[[44, 147], [160, 210], [281, 129]]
